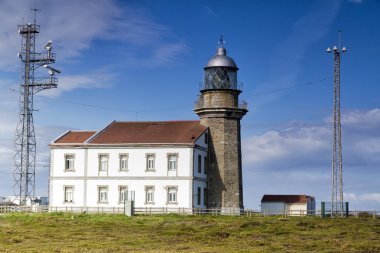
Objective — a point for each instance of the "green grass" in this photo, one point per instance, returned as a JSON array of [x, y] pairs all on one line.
[[59, 232]]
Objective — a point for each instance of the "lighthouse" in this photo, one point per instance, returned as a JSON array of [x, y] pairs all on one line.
[[219, 108]]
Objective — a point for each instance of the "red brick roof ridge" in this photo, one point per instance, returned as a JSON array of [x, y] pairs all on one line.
[[97, 133]]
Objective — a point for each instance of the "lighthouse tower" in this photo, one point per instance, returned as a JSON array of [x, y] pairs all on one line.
[[219, 109]]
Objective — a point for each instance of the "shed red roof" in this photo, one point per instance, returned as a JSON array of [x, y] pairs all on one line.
[[75, 137], [286, 198], [149, 132]]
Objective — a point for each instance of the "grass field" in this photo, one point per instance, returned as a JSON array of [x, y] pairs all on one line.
[[59, 232]]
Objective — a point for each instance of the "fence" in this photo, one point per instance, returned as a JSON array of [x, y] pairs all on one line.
[[179, 210]]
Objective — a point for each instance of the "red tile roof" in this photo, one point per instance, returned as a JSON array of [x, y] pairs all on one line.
[[75, 137], [149, 132], [165, 132], [286, 198]]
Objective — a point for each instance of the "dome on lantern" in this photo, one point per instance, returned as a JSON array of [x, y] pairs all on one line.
[[220, 71]]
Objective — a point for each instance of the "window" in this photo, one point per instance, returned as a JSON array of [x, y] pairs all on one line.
[[206, 138], [102, 194], [199, 196], [150, 162], [123, 162], [149, 194], [199, 163], [205, 196], [172, 194], [205, 164], [172, 162], [103, 162], [69, 194], [123, 193], [69, 162]]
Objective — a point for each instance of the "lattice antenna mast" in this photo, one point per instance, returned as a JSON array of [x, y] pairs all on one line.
[[337, 208], [25, 141]]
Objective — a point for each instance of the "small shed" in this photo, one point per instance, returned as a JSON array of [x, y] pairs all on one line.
[[289, 204]]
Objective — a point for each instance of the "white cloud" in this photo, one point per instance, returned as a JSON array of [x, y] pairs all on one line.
[[297, 159], [74, 25], [83, 81], [362, 197], [291, 144]]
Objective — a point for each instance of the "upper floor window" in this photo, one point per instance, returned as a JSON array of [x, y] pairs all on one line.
[[69, 162], [172, 194], [149, 194], [103, 162], [123, 191], [102, 194], [172, 162], [199, 163], [68, 194], [205, 164], [123, 162], [150, 160], [206, 137]]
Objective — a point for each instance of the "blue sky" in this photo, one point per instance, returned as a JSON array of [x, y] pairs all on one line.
[[143, 60]]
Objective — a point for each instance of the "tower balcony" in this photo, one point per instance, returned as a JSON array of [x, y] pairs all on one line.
[[28, 28], [43, 83], [202, 103], [43, 58]]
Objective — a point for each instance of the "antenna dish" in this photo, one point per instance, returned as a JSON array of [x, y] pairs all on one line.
[[335, 48], [52, 70], [344, 49], [328, 50], [48, 45]]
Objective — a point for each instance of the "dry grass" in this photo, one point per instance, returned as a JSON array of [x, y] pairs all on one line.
[[58, 232]]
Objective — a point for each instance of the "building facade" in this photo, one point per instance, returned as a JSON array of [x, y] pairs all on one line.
[[290, 204], [163, 163], [188, 164]]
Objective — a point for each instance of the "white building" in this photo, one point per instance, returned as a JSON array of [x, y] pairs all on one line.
[[290, 204], [164, 163]]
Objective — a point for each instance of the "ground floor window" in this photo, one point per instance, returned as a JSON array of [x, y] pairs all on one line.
[[69, 194], [149, 194], [102, 194], [172, 194], [199, 196], [123, 193]]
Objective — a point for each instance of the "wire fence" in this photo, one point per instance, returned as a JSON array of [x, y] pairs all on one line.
[[183, 211]]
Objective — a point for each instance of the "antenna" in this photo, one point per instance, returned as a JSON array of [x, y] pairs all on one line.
[[35, 14], [25, 140], [337, 163], [221, 42]]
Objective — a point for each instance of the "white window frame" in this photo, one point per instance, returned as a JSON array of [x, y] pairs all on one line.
[[123, 191], [172, 161], [172, 194], [67, 163], [149, 194], [150, 162], [123, 162], [65, 192], [101, 167], [102, 189]]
